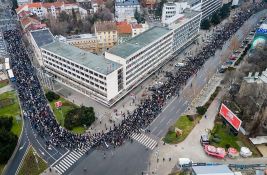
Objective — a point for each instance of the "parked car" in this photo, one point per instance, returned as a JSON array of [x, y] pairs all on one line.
[[222, 70], [179, 65], [204, 139], [237, 52]]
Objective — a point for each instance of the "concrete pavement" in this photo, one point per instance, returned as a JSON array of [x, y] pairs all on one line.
[[6, 89]]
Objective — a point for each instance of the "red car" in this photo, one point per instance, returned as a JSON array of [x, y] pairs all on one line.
[[233, 57]]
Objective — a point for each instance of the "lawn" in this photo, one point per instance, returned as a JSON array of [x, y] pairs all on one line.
[[60, 113], [12, 110], [1, 168], [32, 164], [3, 83], [234, 141], [185, 125]]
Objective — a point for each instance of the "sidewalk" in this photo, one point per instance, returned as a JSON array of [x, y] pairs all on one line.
[[189, 148], [6, 89]]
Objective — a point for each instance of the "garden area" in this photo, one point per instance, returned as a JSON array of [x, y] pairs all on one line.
[[69, 115], [221, 136], [10, 125], [185, 124], [32, 164]]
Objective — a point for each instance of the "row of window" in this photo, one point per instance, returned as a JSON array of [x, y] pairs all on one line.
[[79, 68], [151, 58], [77, 82], [147, 50]]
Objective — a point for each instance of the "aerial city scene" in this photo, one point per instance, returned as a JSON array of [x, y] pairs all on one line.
[[133, 87]]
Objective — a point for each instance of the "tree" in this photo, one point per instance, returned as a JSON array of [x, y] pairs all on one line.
[[215, 19], [52, 96], [63, 16], [15, 4], [205, 24], [139, 18], [224, 12], [6, 123], [159, 7], [8, 142]]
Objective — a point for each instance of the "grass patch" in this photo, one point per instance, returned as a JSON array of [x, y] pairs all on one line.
[[3, 83], [2, 166], [185, 125], [12, 110], [30, 165], [78, 130], [61, 113], [226, 137]]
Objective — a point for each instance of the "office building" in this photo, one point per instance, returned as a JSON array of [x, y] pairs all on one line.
[[208, 7], [91, 75], [172, 9], [141, 55]]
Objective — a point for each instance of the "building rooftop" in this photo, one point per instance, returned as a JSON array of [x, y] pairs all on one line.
[[131, 46], [124, 28], [212, 170], [182, 18], [81, 36], [87, 59], [127, 3], [42, 37], [105, 26]]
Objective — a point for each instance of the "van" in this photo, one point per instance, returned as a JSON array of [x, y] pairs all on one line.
[[184, 163]]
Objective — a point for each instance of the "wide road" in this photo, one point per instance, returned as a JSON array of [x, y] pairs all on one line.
[[125, 162]]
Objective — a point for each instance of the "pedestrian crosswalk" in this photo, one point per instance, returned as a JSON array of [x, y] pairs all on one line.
[[65, 163], [144, 140]]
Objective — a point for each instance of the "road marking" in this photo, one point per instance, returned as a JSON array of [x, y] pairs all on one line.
[[162, 120], [159, 132], [154, 129], [169, 121], [144, 140]]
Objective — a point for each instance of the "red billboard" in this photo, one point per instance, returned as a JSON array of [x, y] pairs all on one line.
[[230, 117]]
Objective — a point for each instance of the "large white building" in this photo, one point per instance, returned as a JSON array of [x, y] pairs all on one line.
[[174, 9], [91, 75], [125, 9], [107, 79], [142, 54], [208, 7]]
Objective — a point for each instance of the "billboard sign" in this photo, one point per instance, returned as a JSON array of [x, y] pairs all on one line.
[[230, 117]]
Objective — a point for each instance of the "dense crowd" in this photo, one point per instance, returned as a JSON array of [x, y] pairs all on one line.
[[43, 121]]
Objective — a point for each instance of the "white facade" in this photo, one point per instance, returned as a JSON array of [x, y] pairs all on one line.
[[140, 64], [125, 10], [186, 30], [171, 9], [209, 7], [95, 84], [139, 28]]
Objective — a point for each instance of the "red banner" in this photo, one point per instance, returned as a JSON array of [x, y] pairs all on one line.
[[230, 117], [58, 104]]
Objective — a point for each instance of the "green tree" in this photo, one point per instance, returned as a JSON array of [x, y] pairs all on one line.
[[74, 17], [205, 24], [215, 19], [63, 16], [224, 12], [6, 123], [15, 4], [139, 18], [50, 95], [159, 7]]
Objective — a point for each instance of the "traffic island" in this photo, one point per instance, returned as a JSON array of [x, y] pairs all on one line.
[[32, 164], [181, 129]]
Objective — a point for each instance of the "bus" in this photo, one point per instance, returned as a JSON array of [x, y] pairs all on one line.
[[11, 75]]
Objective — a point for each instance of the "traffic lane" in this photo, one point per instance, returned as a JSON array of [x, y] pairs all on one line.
[[49, 155], [168, 117], [133, 157], [14, 165]]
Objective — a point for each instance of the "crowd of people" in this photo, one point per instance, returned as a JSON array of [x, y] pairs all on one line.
[[37, 110]]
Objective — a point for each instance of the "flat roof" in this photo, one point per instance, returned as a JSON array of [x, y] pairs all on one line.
[[212, 170], [138, 42], [85, 58], [127, 3], [42, 37], [182, 18]]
